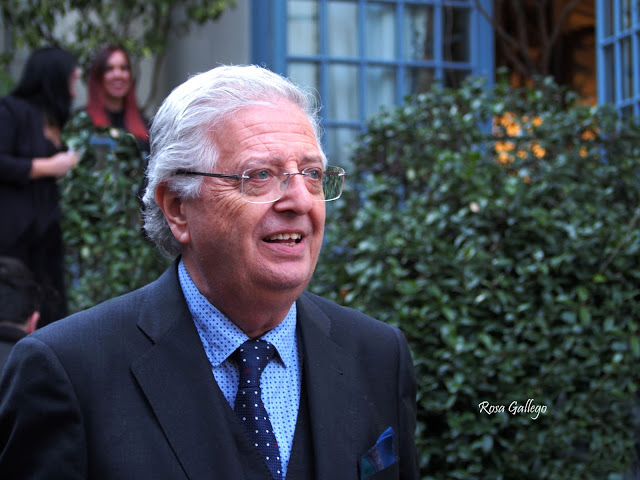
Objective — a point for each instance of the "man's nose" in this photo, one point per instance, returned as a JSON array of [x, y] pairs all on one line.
[[296, 195]]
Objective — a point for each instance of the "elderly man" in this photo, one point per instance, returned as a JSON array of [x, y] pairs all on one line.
[[224, 367]]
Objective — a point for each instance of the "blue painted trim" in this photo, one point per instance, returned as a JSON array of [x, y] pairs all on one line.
[[617, 79], [600, 57], [635, 59], [279, 36], [483, 44], [438, 20], [323, 66], [399, 94], [362, 82], [261, 49]]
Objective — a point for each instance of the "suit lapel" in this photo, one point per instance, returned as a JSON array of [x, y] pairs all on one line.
[[329, 373], [176, 378]]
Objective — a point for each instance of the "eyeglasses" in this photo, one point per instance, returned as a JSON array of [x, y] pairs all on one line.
[[268, 184]]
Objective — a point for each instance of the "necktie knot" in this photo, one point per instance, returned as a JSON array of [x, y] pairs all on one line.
[[252, 357]]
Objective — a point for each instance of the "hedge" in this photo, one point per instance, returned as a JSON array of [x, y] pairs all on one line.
[[498, 228], [106, 252]]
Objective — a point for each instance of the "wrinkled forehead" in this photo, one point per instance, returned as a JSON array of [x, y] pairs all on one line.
[[278, 132]]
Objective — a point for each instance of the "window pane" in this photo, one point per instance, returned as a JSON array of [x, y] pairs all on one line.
[[381, 31], [609, 87], [306, 75], [453, 78], [608, 18], [417, 33], [302, 27], [342, 22], [456, 34], [344, 101], [380, 88], [418, 80], [339, 145], [627, 68], [625, 14]]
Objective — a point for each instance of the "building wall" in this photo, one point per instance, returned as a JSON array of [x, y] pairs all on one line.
[[225, 41]]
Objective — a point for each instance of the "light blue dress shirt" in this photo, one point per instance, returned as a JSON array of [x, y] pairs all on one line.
[[281, 379]]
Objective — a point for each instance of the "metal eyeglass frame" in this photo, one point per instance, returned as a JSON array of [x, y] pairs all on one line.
[[340, 172]]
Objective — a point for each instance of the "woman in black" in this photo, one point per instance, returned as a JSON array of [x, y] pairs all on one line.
[[32, 157]]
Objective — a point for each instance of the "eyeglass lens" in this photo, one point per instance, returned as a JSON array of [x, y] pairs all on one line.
[[268, 184]]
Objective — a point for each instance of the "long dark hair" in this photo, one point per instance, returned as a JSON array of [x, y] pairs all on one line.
[[133, 121], [45, 83]]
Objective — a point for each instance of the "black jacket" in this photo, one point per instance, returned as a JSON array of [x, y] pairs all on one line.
[[25, 204], [125, 390]]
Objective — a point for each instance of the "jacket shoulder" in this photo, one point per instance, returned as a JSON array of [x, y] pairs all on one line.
[[331, 308], [114, 316], [17, 107], [341, 320]]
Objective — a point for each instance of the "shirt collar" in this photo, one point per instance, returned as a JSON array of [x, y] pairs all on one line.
[[221, 337]]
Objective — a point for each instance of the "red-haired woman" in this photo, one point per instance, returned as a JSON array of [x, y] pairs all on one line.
[[112, 98]]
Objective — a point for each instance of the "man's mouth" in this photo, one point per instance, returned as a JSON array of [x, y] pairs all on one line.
[[284, 238]]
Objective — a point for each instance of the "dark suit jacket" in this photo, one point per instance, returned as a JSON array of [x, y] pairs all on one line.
[[125, 391], [24, 203]]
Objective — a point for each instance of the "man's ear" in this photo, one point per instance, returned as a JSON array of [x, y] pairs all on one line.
[[173, 209]]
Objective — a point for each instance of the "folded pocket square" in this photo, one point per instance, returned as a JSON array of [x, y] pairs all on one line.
[[379, 457]]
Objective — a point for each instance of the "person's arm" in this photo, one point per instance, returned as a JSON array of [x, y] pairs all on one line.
[[17, 169], [41, 430], [56, 166]]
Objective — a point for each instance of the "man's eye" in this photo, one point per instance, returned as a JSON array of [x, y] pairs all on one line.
[[313, 173], [261, 175]]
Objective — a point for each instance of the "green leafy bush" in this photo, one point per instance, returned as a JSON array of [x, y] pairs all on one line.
[[106, 252], [6, 83], [499, 229]]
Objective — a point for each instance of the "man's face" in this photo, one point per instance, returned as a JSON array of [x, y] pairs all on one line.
[[246, 250]]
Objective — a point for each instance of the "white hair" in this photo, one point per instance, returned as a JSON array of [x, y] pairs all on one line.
[[181, 136]]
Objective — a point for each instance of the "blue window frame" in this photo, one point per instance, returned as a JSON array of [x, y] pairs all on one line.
[[363, 55], [618, 54]]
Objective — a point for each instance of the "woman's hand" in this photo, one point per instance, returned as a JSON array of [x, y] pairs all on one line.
[[56, 166]]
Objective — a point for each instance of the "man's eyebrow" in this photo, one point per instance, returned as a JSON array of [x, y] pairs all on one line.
[[314, 159], [254, 162]]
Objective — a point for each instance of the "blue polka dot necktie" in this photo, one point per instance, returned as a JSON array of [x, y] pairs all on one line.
[[252, 356]]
